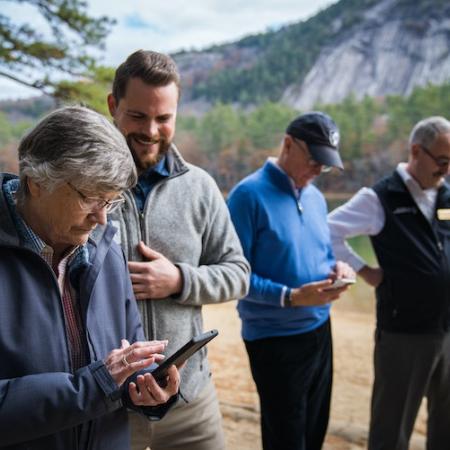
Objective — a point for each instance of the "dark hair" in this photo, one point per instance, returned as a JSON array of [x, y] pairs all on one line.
[[153, 68]]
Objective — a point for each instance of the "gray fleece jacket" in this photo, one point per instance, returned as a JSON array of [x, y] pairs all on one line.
[[186, 219]]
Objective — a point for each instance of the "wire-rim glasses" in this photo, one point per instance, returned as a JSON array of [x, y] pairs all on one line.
[[95, 203], [441, 161]]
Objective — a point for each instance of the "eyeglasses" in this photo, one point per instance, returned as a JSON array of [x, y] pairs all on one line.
[[95, 204], [441, 161], [311, 161]]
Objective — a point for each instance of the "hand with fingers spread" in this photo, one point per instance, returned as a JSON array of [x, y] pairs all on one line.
[[155, 278], [124, 362]]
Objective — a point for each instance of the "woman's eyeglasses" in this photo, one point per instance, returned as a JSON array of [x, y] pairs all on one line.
[[95, 204]]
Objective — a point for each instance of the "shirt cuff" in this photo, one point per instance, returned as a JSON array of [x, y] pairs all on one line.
[[285, 292], [356, 262]]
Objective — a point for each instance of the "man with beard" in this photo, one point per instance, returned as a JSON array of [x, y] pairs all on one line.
[[407, 216], [182, 248]]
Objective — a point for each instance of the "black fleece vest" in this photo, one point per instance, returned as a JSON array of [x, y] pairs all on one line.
[[414, 296]]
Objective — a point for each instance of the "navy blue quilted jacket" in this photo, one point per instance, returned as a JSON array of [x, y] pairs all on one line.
[[42, 404]]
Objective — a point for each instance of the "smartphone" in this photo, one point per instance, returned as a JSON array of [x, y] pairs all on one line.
[[182, 354], [340, 282]]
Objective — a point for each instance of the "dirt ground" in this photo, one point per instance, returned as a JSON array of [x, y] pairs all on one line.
[[353, 345]]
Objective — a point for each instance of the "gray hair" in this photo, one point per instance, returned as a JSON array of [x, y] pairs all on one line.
[[77, 145], [427, 130]]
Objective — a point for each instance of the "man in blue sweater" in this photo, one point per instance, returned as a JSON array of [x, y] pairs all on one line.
[[281, 220]]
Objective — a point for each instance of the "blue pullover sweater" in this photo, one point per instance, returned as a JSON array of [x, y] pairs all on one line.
[[287, 242]]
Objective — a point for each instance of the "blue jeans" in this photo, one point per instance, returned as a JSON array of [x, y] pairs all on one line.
[[293, 375]]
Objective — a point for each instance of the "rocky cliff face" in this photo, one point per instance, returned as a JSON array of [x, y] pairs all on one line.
[[197, 67], [390, 51], [371, 48]]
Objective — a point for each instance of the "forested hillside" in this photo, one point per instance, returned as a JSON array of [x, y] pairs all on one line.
[[16, 117], [230, 143], [260, 67], [237, 98]]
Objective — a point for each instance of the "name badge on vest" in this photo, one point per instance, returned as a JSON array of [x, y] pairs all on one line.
[[443, 214]]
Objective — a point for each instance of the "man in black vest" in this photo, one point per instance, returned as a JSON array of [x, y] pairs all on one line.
[[407, 216]]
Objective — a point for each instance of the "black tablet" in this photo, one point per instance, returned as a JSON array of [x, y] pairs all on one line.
[[181, 355]]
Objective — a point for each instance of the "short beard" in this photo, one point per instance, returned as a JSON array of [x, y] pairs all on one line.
[[142, 167]]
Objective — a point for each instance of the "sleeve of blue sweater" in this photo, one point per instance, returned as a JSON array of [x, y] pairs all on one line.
[[243, 205]]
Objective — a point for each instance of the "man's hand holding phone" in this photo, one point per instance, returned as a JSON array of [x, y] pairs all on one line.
[[325, 291], [342, 276], [314, 294], [340, 283]]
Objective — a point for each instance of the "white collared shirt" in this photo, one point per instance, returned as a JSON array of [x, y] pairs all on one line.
[[364, 215]]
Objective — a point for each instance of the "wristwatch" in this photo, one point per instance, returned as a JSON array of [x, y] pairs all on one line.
[[287, 298]]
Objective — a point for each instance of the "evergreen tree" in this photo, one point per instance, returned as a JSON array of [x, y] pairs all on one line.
[[36, 59]]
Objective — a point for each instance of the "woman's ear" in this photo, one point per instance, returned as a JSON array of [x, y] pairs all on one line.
[[33, 187]]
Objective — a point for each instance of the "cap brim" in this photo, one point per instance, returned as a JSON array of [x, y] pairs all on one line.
[[328, 156]]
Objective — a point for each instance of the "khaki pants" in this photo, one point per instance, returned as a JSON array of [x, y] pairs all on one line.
[[196, 425]]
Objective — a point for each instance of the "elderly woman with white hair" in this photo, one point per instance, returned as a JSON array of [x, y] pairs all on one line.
[[71, 343]]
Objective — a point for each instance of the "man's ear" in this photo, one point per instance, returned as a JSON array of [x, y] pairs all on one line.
[[287, 143], [111, 104], [415, 149]]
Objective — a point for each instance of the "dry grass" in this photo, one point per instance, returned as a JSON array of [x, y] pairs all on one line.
[[353, 325]]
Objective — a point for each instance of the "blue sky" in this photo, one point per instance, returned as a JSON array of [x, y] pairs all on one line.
[[172, 25]]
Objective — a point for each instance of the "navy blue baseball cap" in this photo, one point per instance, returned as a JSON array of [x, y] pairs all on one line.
[[321, 135]]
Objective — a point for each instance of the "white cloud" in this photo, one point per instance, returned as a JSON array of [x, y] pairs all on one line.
[[172, 25], [176, 24]]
